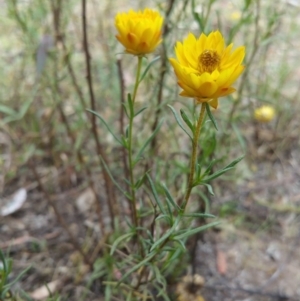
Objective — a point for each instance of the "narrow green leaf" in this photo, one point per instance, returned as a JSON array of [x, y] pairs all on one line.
[[26, 105], [112, 178], [9, 263], [19, 115], [159, 278], [240, 137], [136, 267], [79, 140], [234, 162], [219, 172], [107, 293], [140, 111], [127, 132], [187, 120], [140, 182], [179, 121], [131, 106], [162, 292], [18, 277], [166, 235], [208, 169], [5, 293], [156, 197], [147, 143], [170, 212], [209, 188], [176, 254], [7, 110], [211, 116], [164, 216], [215, 175], [107, 126], [198, 172], [205, 198], [127, 182], [198, 215], [120, 239], [148, 67], [25, 296], [125, 142], [196, 230], [181, 244], [170, 198], [129, 296], [197, 17], [3, 260], [125, 109]]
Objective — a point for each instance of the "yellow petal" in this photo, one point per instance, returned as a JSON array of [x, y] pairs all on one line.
[[208, 89], [214, 103], [180, 54], [187, 90], [225, 91]]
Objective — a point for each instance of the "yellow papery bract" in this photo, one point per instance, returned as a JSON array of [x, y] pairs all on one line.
[[206, 68], [139, 32]]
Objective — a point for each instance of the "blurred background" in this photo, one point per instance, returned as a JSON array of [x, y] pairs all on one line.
[[46, 140]]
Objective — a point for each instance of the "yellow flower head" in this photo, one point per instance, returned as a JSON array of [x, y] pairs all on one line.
[[206, 68], [264, 114], [139, 32]]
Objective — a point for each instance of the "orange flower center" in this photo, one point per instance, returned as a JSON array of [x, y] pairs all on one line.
[[208, 61]]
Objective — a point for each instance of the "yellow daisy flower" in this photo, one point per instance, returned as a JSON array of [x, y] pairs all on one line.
[[206, 68], [139, 32], [264, 114]]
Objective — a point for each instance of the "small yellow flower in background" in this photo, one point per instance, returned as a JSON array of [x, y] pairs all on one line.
[[236, 15], [264, 114], [139, 32], [206, 68]]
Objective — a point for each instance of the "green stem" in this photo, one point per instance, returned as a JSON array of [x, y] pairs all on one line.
[[130, 155], [194, 156], [137, 79]]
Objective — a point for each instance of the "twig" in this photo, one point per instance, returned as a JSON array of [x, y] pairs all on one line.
[[163, 71], [74, 79], [108, 183], [56, 20], [121, 121], [59, 216], [88, 171], [26, 238], [56, 13]]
